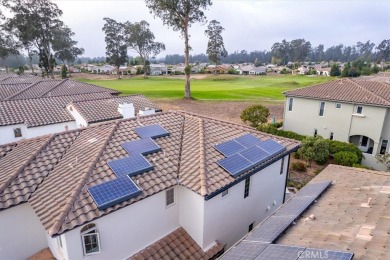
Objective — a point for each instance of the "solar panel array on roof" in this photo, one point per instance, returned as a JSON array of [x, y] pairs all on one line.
[[114, 191], [258, 244], [132, 165], [246, 152], [152, 131]]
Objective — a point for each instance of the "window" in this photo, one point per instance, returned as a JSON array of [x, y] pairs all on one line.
[[250, 228], [282, 166], [18, 132], [383, 146], [322, 108], [331, 136], [90, 238], [225, 193], [247, 184], [315, 132], [359, 110], [170, 197], [364, 141], [338, 105], [290, 104]]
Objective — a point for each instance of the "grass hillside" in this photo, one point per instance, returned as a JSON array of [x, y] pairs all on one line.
[[219, 87]]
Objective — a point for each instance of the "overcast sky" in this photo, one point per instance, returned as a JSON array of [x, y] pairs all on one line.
[[250, 25]]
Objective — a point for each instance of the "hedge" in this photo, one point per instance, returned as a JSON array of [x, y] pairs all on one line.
[[346, 158]]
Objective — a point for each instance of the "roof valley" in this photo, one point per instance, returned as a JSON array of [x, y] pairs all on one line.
[[367, 91], [54, 87], [81, 183], [22, 90]]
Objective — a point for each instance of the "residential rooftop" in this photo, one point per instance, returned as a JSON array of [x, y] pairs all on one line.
[[53, 173], [347, 90], [27, 87], [352, 215]]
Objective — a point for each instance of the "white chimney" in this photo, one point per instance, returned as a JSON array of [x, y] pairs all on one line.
[[127, 110], [146, 111]]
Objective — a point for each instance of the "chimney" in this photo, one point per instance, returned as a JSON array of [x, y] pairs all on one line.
[[127, 110], [146, 111]]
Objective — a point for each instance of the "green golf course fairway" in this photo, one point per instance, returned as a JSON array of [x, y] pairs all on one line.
[[213, 87]]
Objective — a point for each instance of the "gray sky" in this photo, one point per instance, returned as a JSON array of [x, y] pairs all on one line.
[[250, 25]]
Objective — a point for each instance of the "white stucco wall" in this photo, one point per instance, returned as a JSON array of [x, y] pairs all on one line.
[[80, 121], [191, 213], [128, 230], [21, 233], [7, 132], [227, 219]]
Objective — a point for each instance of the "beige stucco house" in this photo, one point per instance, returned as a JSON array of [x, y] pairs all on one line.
[[354, 111]]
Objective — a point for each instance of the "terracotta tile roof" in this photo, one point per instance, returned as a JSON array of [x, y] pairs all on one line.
[[99, 110], [41, 111], [177, 245], [344, 221], [15, 88], [347, 90], [65, 165]]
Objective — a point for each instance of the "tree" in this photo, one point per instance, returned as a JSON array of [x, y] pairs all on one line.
[[335, 70], [383, 50], [141, 39], [215, 47], [37, 22], [255, 115], [8, 45], [180, 14], [281, 50], [64, 71], [116, 47], [65, 47], [300, 49], [365, 50], [314, 149]]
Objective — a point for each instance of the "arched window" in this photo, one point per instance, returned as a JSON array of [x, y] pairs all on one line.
[[90, 238]]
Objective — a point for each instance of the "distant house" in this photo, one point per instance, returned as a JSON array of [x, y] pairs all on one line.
[[355, 111], [323, 72], [258, 71], [218, 69], [303, 70], [158, 69], [198, 68], [104, 69], [157, 187]]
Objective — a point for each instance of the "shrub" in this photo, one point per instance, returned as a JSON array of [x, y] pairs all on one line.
[[337, 146], [298, 166], [346, 158], [296, 155], [255, 115], [361, 166], [314, 149], [271, 129], [317, 171]]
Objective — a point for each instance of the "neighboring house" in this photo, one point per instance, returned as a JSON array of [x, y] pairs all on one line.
[[218, 69], [350, 220], [258, 71], [246, 69], [354, 111], [105, 69], [198, 68], [323, 71], [158, 69], [55, 191], [22, 119], [303, 70]]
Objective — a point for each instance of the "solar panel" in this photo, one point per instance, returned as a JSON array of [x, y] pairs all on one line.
[[314, 189], [255, 154], [246, 250], [271, 147], [142, 146], [314, 253], [152, 131], [295, 206], [132, 165], [248, 140], [229, 148], [235, 164], [270, 229], [279, 252], [112, 192]]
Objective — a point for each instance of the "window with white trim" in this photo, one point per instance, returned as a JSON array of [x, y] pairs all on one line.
[[338, 105], [90, 239], [17, 132], [246, 188], [359, 110], [322, 108], [282, 166], [315, 132], [331, 136], [290, 104], [383, 146], [170, 197]]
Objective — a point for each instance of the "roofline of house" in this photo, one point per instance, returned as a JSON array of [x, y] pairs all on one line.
[[336, 100]]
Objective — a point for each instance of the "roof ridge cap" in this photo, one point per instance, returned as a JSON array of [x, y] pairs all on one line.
[[366, 90], [22, 90], [81, 183], [28, 161], [54, 87], [202, 159], [7, 78]]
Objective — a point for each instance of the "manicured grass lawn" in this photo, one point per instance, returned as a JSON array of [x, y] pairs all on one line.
[[225, 87]]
